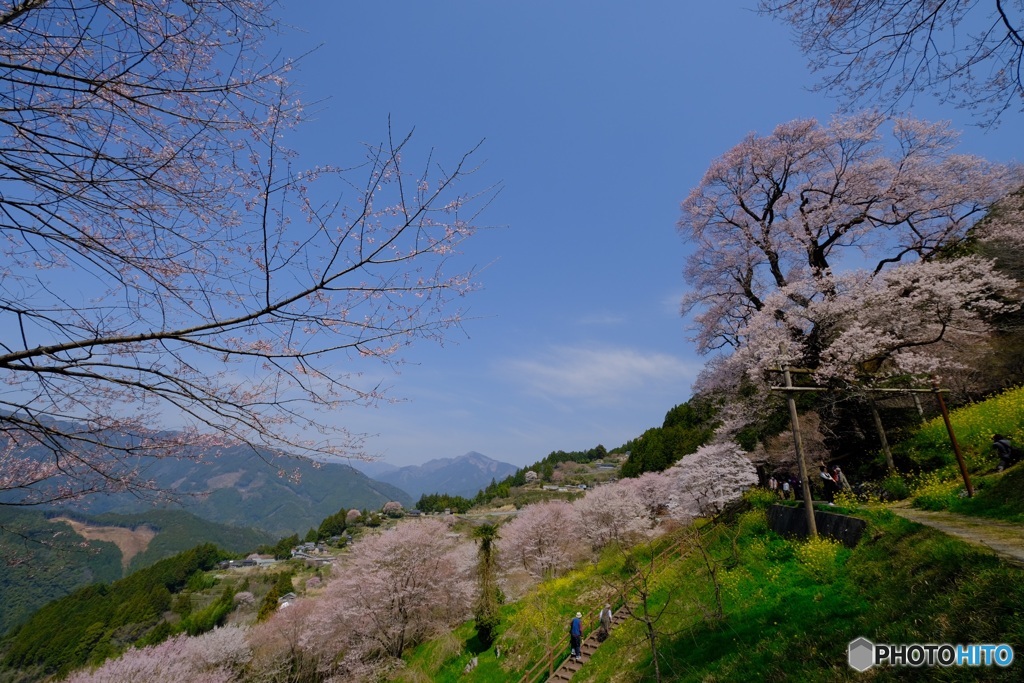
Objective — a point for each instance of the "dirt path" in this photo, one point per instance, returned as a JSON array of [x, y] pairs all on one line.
[[1004, 538]]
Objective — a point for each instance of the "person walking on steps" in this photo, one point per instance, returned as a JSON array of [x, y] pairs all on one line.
[[575, 634], [606, 623]]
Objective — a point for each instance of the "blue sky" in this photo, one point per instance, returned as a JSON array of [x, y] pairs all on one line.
[[597, 119]]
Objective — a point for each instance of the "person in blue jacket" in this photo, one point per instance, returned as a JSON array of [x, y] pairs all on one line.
[[575, 634]]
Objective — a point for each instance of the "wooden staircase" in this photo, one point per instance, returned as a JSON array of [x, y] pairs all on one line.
[[588, 647], [569, 666]]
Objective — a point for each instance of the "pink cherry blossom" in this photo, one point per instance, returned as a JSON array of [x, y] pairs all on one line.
[[543, 538], [818, 246]]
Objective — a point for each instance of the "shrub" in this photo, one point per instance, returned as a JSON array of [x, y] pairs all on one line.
[[760, 498], [848, 500], [935, 491], [819, 558], [753, 522], [895, 487]]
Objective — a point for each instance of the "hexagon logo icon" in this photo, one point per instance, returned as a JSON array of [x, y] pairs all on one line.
[[861, 654]]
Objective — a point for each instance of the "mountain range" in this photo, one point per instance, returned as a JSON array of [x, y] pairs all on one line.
[[281, 495], [462, 476], [273, 493]]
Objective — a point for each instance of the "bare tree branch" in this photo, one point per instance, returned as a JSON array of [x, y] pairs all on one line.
[[965, 52], [163, 262]]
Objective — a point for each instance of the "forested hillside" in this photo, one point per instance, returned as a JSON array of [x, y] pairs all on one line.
[[44, 563], [272, 492], [46, 560], [97, 622]]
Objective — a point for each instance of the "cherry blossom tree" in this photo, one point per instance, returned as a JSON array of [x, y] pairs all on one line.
[[165, 263], [283, 647], [1001, 230], [896, 322], [397, 588], [653, 489], [779, 213], [613, 513], [214, 657], [819, 246], [543, 538], [706, 481], [966, 53]]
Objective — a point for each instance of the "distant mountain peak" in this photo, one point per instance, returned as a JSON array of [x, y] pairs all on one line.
[[463, 476]]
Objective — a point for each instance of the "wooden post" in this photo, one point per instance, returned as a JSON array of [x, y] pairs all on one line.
[[798, 444], [881, 435], [920, 408], [952, 438]]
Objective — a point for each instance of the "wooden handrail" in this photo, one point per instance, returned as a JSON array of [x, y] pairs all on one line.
[[531, 675]]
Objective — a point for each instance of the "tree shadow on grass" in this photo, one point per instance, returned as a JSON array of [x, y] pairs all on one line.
[[475, 645]]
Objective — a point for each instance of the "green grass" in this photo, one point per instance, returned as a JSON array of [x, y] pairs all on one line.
[[791, 614], [790, 609], [997, 496], [974, 425]]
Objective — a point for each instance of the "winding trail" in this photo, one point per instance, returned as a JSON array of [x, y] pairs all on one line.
[[1005, 539]]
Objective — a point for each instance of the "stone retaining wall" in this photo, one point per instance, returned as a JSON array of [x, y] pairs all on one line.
[[792, 521]]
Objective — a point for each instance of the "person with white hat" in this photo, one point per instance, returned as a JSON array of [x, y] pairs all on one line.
[[575, 635]]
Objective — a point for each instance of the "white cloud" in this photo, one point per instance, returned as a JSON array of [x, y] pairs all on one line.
[[672, 303], [602, 319], [599, 375]]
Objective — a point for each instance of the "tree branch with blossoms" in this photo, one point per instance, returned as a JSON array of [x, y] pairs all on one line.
[[163, 262]]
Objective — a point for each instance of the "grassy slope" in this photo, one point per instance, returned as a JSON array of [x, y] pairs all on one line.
[[791, 610], [999, 495], [974, 426]]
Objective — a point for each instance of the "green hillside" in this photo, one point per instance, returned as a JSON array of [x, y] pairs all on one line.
[[743, 603], [47, 561], [178, 531], [277, 494], [99, 621], [43, 563]]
